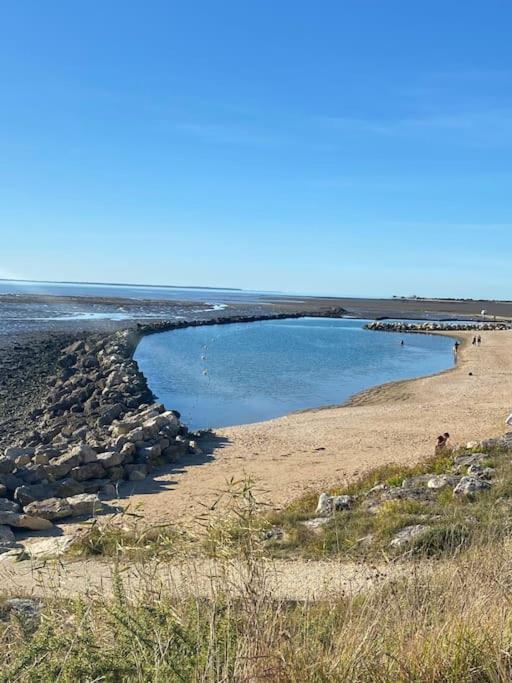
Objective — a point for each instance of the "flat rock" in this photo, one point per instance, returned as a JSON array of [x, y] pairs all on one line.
[[50, 509], [24, 521]]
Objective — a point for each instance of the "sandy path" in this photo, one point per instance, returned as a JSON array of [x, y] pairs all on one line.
[[298, 580], [316, 449]]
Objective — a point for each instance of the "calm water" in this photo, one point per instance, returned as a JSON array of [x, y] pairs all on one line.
[[234, 374]]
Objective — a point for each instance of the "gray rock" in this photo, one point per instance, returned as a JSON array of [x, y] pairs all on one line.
[[48, 548], [108, 492], [408, 534], [328, 504], [115, 473], [7, 505], [85, 504], [94, 485], [28, 494], [59, 467], [92, 470], [26, 609], [6, 535], [51, 508], [468, 486], [24, 521], [440, 481], [462, 462], [6, 465], [14, 452], [67, 487], [85, 453], [22, 460], [33, 474], [108, 416], [110, 458], [480, 471]]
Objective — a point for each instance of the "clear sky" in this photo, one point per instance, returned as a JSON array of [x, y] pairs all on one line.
[[358, 147]]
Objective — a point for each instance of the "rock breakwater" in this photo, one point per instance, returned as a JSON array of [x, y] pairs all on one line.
[[98, 424], [436, 326]]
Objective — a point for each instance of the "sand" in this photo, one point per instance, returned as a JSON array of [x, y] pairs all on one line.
[[319, 449]]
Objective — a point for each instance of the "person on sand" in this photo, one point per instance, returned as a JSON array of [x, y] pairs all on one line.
[[442, 441], [474, 341], [479, 340], [456, 347]]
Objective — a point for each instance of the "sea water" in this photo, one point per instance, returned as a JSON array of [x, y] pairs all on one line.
[[233, 374]]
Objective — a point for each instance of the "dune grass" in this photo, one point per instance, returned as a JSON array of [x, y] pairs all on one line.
[[451, 623]]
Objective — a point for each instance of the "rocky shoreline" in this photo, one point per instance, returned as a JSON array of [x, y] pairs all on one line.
[[93, 423]]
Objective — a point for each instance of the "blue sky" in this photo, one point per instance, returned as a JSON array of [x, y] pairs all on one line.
[[355, 148]]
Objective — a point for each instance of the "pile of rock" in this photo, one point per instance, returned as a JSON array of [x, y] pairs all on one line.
[[433, 326], [98, 425], [469, 475]]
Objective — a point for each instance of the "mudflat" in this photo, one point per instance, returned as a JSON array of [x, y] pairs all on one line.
[[318, 449]]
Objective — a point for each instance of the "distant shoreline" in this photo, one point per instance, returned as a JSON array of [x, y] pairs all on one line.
[[121, 284]]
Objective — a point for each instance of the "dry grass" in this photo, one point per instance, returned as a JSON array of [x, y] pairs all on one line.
[[454, 626]]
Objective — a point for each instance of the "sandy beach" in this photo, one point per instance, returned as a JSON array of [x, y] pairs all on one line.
[[320, 448]]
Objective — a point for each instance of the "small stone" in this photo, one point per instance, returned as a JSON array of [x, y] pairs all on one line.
[[468, 486], [440, 481], [406, 535], [315, 523], [328, 504]]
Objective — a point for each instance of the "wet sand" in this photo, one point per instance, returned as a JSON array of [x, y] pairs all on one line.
[[318, 449]]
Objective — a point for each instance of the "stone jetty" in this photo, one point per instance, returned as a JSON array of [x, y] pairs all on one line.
[[97, 425], [436, 326]]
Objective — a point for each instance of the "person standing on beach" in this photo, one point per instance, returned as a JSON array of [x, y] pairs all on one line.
[[442, 441], [474, 341], [479, 340]]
